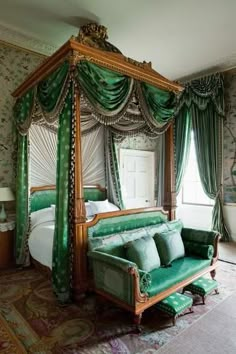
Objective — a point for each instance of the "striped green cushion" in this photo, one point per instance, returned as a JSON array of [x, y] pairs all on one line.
[[175, 304]]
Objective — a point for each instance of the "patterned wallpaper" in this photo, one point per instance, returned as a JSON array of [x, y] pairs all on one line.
[[229, 174], [15, 66]]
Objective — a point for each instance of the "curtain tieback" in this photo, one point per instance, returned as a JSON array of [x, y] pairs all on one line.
[[218, 193]]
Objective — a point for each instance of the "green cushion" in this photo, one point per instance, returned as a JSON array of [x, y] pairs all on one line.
[[164, 278], [144, 253], [175, 225], [42, 199], [194, 248], [97, 242], [123, 223], [175, 304], [199, 236], [170, 246], [202, 286]]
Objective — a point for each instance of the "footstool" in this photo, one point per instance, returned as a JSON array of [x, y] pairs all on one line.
[[202, 287], [175, 304]]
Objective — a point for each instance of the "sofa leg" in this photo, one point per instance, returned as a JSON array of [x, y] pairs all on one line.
[[137, 319], [174, 320], [203, 299], [216, 291], [213, 274]]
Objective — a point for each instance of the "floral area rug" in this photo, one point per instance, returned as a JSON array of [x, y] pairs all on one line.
[[31, 321]]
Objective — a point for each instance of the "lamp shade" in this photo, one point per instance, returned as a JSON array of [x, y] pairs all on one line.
[[6, 194]]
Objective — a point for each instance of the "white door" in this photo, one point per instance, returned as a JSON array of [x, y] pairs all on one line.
[[137, 178]]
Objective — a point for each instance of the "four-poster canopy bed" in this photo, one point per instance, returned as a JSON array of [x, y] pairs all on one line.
[[85, 84]]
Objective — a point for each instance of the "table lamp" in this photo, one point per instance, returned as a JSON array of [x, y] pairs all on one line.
[[6, 195]]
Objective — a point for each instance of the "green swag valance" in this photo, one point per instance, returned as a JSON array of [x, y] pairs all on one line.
[[124, 105]]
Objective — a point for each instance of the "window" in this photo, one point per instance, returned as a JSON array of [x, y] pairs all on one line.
[[192, 191]]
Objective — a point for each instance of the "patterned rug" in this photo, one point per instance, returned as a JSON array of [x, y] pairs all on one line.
[[31, 321]]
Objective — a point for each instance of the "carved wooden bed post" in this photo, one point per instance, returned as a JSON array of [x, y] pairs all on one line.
[[79, 245], [169, 184]]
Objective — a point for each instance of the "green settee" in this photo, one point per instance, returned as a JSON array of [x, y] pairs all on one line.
[[118, 279]]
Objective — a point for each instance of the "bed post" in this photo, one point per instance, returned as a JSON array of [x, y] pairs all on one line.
[[79, 244], [169, 184]]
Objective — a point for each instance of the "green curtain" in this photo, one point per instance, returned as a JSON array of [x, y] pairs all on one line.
[[107, 91], [207, 126], [161, 104], [112, 170], [22, 117], [182, 139], [22, 201], [61, 270], [49, 91]]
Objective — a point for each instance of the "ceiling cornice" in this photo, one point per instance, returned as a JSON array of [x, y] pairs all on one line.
[[25, 41]]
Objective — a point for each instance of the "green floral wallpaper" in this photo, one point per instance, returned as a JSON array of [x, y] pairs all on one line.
[[15, 66], [229, 175]]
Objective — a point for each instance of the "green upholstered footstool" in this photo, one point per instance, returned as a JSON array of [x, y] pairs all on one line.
[[175, 304], [202, 287]]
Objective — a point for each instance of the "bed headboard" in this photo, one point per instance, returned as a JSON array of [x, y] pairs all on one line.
[[42, 197]]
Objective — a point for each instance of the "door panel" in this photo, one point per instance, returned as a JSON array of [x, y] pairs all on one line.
[[137, 178]]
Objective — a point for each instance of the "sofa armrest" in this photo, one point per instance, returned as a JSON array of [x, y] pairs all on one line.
[[202, 237], [119, 277], [114, 261]]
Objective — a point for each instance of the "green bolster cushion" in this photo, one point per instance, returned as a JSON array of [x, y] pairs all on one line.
[[145, 281], [196, 249]]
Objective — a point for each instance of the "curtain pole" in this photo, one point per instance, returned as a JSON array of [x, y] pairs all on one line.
[[169, 183]]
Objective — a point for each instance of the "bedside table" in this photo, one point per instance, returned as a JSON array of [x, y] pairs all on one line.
[[6, 243]]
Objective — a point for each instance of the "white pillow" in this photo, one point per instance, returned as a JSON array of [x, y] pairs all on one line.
[[102, 206], [113, 207], [53, 206], [41, 216], [89, 210]]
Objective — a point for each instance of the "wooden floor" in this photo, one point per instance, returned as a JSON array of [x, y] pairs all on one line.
[[227, 252]]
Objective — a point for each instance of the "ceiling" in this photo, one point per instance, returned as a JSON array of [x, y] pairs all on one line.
[[182, 39]]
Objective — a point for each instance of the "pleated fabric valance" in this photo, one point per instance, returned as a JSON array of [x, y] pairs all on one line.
[[202, 92], [107, 98]]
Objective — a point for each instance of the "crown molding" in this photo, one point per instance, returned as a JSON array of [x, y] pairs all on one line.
[[25, 41]]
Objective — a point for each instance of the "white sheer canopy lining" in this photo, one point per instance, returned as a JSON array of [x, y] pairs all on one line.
[[43, 147]]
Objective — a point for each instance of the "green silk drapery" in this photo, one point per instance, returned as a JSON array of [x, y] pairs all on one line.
[[160, 103], [112, 171], [106, 90], [22, 113], [22, 201], [207, 126], [61, 247], [204, 101], [182, 138], [49, 90], [50, 96]]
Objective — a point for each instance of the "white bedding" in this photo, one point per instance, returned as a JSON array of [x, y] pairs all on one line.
[[42, 230], [41, 243]]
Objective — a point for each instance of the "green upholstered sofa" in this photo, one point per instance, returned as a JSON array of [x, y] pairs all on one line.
[[121, 281]]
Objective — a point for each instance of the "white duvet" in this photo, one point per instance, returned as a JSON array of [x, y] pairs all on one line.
[[42, 229], [41, 243]]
